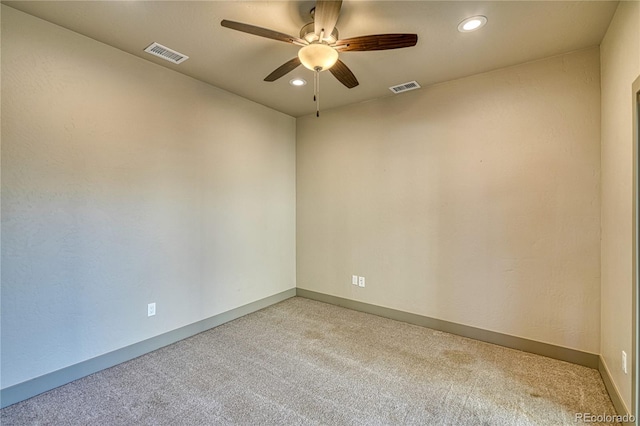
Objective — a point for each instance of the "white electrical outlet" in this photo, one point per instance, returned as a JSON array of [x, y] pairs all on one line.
[[624, 362], [361, 281], [354, 279], [151, 309]]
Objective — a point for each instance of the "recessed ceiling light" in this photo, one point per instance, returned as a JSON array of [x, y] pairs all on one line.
[[297, 82], [471, 24]]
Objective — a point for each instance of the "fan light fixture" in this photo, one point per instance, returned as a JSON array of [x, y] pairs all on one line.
[[318, 56], [471, 24]]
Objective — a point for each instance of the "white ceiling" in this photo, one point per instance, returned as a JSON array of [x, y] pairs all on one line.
[[517, 32]]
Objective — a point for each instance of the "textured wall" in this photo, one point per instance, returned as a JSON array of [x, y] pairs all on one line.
[[474, 201], [620, 67], [125, 183]]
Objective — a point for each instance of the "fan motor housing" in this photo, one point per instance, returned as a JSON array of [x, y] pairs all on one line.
[[308, 33]]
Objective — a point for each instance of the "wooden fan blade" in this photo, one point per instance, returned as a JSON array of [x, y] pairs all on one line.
[[344, 74], [262, 32], [326, 16], [376, 42], [283, 69]]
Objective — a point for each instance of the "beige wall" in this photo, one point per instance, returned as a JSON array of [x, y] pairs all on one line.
[[475, 201], [620, 62], [125, 183]]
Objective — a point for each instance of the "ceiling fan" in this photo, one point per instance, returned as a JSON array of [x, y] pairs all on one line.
[[320, 45]]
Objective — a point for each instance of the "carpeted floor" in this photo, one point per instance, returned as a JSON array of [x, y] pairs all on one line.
[[306, 362]]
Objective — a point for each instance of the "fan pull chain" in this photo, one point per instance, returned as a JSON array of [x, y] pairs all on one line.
[[316, 90]]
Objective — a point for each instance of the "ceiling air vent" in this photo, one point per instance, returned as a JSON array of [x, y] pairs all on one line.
[[166, 53], [405, 87]]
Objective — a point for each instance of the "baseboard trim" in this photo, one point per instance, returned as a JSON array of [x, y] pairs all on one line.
[[614, 394], [552, 351], [46, 382]]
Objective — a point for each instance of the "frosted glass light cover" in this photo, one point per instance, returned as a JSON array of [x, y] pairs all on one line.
[[318, 56]]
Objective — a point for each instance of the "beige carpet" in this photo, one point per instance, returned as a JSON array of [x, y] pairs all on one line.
[[306, 362]]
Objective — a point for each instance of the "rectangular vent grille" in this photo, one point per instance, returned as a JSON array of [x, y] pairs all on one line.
[[166, 53], [405, 87]]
